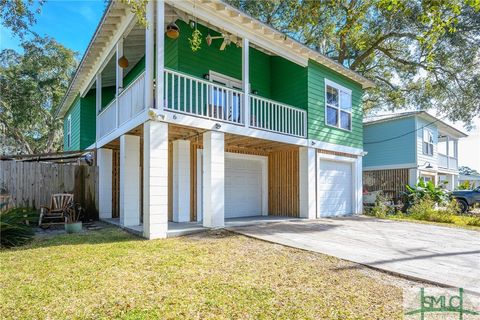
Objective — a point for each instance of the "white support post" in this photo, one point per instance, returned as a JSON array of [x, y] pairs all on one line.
[[358, 185], [246, 81], [181, 181], [129, 180], [307, 181], [149, 53], [155, 180], [98, 101], [448, 153], [118, 78], [413, 176], [213, 179], [159, 82], [104, 163]]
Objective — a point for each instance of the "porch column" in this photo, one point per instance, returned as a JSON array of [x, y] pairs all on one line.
[[413, 175], [181, 181], [155, 179], [149, 53], [246, 81], [118, 78], [129, 180], [104, 163], [98, 101], [159, 80], [358, 185], [307, 175], [213, 179]]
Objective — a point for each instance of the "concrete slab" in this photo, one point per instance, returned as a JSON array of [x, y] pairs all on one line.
[[436, 254]]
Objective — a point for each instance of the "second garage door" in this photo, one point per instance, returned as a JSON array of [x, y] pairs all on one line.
[[243, 187], [334, 188]]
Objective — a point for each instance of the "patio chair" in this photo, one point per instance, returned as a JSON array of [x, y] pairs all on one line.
[[59, 204]]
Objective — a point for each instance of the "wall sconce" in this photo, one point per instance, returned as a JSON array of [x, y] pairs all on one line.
[[427, 165], [206, 76], [255, 92], [313, 143], [218, 126]]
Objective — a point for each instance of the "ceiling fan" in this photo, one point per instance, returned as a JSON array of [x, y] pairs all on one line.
[[226, 40]]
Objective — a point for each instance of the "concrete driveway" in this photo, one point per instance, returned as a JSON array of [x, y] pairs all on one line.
[[442, 255]]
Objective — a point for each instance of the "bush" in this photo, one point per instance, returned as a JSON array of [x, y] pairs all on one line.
[[16, 226], [426, 190], [426, 210], [382, 207]]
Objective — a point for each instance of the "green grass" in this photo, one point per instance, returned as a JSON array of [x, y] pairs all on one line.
[[110, 274]]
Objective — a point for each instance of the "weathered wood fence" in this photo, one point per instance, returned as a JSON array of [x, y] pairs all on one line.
[[31, 184]]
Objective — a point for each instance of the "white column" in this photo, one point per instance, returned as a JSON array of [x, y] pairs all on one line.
[[246, 81], [98, 101], [358, 185], [155, 179], [307, 180], [160, 54], [118, 78], [104, 163], [181, 181], [448, 153], [149, 53], [129, 180], [213, 179], [413, 175]]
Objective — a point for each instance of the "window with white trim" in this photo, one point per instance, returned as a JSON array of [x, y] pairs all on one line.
[[338, 106], [69, 131], [427, 142]]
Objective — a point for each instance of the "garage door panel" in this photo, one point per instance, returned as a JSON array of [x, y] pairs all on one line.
[[334, 191], [243, 187]]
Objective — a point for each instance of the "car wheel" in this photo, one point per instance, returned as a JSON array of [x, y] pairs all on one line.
[[463, 205]]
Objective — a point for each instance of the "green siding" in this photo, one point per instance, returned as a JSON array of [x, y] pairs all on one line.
[[289, 83], [134, 72], [317, 129], [82, 113], [74, 113]]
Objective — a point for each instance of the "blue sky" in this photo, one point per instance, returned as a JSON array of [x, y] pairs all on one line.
[[70, 22]]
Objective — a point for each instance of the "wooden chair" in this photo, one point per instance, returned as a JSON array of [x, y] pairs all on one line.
[[59, 204]]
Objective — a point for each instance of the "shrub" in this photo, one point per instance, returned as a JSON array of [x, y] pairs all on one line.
[[425, 190], [16, 226], [382, 207]]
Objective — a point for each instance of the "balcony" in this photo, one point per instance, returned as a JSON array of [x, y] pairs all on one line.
[[446, 162], [204, 99]]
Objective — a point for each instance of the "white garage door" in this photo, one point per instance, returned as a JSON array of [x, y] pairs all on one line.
[[243, 187], [334, 188]]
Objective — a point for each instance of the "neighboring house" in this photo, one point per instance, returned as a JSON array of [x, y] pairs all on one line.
[[405, 147], [251, 124]]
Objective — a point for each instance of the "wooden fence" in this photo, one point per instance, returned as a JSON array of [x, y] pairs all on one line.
[[31, 184]]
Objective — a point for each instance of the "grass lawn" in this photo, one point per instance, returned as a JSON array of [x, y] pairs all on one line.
[[111, 274], [443, 224]]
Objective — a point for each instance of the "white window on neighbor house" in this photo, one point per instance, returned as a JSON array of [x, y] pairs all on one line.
[[338, 106], [69, 131], [427, 142]]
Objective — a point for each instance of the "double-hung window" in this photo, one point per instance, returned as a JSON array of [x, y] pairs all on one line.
[[427, 142], [69, 131], [338, 107]]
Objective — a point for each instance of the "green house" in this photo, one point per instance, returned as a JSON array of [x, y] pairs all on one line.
[[250, 124]]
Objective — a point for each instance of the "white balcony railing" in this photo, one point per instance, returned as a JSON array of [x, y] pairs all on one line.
[[442, 161], [201, 98], [106, 119], [447, 162], [273, 116], [131, 101]]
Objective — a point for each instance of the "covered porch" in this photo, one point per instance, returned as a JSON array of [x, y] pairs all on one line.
[[202, 179]]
